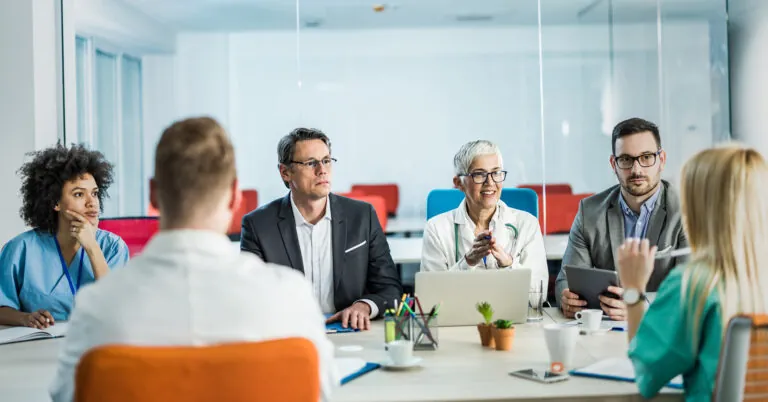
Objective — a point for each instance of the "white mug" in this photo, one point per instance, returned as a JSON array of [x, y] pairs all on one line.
[[590, 319], [561, 341], [400, 352]]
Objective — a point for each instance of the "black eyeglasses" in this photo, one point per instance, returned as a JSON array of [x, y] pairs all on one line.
[[481, 177], [645, 160], [313, 163]]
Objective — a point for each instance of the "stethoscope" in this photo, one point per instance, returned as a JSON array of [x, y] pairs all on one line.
[[509, 226]]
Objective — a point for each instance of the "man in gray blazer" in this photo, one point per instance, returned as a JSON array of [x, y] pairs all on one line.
[[336, 242], [641, 205]]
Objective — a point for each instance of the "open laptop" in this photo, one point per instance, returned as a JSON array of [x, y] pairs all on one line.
[[460, 291]]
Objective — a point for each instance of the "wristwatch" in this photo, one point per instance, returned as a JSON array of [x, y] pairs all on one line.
[[632, 296]]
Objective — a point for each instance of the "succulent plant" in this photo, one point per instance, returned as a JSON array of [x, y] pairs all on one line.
[[486, 310]]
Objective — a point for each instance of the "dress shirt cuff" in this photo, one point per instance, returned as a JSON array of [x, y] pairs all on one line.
[[372, 305]]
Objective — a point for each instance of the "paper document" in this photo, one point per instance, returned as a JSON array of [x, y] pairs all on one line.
[[21, 334], [347, 366], [618, 369]]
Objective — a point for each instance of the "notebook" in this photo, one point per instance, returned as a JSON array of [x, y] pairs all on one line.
[[350, 368], [22, 334], [335, 327], [619, 369]]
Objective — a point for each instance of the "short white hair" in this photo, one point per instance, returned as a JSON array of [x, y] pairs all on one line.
[[471, 150]]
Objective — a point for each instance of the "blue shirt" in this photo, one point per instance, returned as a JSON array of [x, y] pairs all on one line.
[[32, 278], [636, 226]]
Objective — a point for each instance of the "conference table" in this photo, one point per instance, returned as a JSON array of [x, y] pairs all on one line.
[[407, 250], [406, 226], [460, 370]]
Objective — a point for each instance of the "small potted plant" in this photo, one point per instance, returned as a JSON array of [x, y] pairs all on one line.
[[503, 334], [484, 328]]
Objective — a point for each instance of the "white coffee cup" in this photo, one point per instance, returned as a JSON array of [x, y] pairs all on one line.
[[400, 352], [590, 319], [561, 342]]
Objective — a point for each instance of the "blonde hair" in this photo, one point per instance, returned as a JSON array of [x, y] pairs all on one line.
[[194, 164], [725, 215]]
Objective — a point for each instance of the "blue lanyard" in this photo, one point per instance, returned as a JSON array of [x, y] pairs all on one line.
[[66, 270]]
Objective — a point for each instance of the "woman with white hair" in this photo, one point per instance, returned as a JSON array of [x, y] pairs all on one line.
[[483, 232]]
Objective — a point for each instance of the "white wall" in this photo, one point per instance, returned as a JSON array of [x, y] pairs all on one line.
[[397, 104], [30, 97], [748, 39]]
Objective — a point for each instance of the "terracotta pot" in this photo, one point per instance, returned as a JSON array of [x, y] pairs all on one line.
[[503, 338], [486, 337]]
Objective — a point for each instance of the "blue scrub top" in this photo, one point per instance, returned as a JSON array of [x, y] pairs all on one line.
[[32, 278]]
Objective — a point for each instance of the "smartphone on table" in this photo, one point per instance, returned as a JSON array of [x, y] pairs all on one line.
[[543, 376]]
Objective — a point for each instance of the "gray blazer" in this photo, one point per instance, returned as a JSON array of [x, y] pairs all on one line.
[[598, 231]]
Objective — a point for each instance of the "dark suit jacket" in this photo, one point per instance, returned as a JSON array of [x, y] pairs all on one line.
[[366, 272], [598, 231]]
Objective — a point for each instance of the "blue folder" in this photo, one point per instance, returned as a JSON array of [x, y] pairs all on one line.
[[335, 327], [366, 369]]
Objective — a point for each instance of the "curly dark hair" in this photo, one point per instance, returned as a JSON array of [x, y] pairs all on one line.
[[43, 178]]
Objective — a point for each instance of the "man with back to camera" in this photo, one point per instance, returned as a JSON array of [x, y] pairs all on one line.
[[189, 286], [640, 206]]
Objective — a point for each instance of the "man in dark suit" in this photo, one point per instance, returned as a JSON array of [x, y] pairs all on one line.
[[640, 206], [335, 241]]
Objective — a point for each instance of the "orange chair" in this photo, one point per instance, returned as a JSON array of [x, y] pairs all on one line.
[[135, 232], [555, 188], [284, 370], [742, 373], [379, 205], [390, 193]]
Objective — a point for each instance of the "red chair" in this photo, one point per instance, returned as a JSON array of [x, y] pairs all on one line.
[[135, 232], [250, 199], [551, 189], [379, 205], [561, 211], [390, 193]]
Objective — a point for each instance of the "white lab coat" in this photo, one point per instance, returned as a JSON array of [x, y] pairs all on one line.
[[193, 288], [516, 231]]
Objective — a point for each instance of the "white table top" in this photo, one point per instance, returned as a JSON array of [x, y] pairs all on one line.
[[461, 370], [407, 225], [408, 250]]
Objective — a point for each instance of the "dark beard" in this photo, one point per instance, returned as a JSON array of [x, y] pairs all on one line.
[[640, 192]]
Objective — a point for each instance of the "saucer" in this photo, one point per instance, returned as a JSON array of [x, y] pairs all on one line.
[[414, 362]]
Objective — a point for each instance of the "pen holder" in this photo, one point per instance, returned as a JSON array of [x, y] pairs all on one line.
[[397, 328], [424, 332]]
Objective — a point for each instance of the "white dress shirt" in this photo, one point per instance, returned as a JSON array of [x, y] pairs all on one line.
[[517, 232], [193, 288], [317, 257]]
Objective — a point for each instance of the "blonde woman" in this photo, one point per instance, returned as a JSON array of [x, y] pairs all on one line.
[[725, 215]]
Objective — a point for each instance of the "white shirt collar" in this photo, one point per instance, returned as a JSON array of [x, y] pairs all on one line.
[[299, 218], [461, 216], [189, 241]]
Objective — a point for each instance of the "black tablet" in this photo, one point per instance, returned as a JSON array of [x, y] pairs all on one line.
[[589, 283]]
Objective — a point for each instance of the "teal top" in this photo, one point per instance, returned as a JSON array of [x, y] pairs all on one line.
[[662, 348]]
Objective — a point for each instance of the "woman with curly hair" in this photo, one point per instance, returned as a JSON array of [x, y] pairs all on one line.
[[42, 269]]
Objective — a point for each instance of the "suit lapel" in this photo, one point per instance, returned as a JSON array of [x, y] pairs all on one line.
[[615, 224], [287, 226], [658, 217], [338, 240]]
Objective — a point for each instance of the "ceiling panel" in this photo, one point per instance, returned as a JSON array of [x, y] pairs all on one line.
[[238, 15]]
